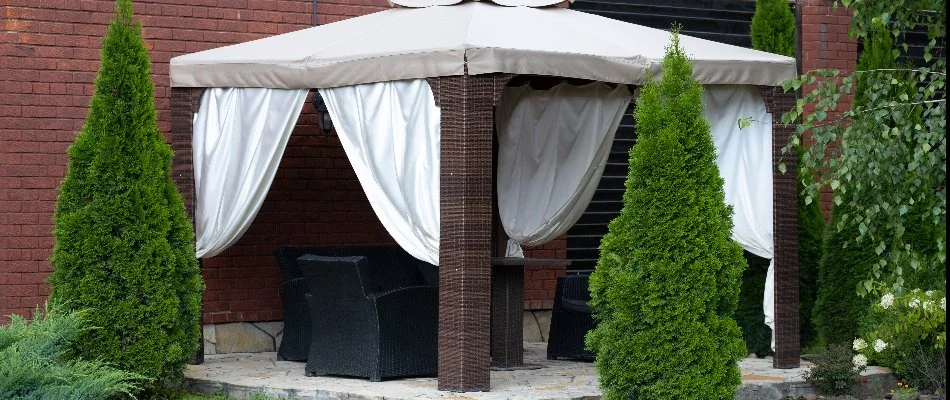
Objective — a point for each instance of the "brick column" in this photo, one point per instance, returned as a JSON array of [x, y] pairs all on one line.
[[825, 44]]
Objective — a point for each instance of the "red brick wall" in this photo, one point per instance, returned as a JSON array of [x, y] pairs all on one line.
[[539, 281], [825, 44], [49, 55]]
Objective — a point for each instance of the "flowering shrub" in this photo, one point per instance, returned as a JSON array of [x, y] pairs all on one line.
[[910, 329]]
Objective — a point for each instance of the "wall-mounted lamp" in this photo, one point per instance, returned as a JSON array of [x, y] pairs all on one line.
[[323, 115]]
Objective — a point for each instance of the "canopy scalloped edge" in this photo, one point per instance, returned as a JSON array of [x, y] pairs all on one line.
[[507, 3]]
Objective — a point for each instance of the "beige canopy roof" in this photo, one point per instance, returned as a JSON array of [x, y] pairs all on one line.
[[407, 43]]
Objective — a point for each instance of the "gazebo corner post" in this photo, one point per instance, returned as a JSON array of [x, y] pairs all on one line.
[[184, 103], [785, 223], [466, 181]]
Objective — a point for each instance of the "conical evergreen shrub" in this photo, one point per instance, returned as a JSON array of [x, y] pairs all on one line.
[[773, 27], [124, 245], [665, 287]]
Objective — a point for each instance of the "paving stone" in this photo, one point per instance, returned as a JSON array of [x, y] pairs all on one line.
[[242, 337], [208, 335], [273, 328], [245, 374], [544, 322], [532, 331]]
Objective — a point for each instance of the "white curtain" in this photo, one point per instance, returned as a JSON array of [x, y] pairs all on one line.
[[745, 163], [552, 148], [390, 132], [239, 137]]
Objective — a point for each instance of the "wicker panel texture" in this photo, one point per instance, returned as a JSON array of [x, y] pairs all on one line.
[[785, 222], [507, 314]]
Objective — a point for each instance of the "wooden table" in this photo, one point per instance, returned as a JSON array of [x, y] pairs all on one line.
[[507, 310]]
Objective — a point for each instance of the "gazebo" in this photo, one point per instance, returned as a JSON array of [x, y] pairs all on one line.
[[417, 94]]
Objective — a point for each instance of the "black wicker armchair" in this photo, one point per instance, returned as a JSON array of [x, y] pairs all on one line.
[[366, 325], [571, 319], [397, 268]]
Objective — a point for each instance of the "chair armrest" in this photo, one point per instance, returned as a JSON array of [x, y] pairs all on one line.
[[403, 291], [576, 306], [293, 285]]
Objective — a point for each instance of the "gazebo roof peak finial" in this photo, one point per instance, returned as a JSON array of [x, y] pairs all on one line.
[[507, 3]]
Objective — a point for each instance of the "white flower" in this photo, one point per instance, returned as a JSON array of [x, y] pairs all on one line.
[[879, 345], [860, 344], [943, 304], [860, 361], [914, 303], [929, 293], [928, 305], [887, 300]]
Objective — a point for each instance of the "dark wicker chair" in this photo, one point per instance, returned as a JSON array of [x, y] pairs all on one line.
[[295, 344], [398, 268], [571, 319], [364, 325]]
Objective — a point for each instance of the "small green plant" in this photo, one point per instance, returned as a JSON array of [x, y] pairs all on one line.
[[837, 370], [34, 364], [124, 244], [903, 392], [666, 285], [773, 27]]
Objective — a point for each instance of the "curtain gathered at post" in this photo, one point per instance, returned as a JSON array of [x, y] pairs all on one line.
[[744, 157], [390, 132], [552, 148], [239, 137]]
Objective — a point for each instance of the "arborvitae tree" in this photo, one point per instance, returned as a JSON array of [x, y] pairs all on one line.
[[666, 285], [773, 27], [124, 245]]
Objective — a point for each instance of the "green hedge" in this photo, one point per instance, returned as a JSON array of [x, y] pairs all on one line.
[[749, 314], [124, 245], [838, 308], [811, 229], [666, 285]]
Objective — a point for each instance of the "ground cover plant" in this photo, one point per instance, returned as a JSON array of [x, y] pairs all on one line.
[[666, 285], [124, 245], [35, 364]]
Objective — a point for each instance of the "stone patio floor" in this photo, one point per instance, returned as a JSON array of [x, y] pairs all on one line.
[[245, 374]]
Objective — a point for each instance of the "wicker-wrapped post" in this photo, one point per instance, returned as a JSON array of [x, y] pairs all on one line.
[[465, 243], [785, 225], [184, 104]]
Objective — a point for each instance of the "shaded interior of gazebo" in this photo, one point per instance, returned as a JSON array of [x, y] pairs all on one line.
[[470, 237]]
